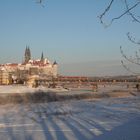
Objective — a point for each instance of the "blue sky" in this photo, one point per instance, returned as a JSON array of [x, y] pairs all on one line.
[[67, 31]]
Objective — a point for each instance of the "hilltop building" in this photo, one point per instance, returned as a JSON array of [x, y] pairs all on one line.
[[40, 69]]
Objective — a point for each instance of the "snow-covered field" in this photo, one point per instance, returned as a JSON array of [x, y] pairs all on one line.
[[60, 90], [105, 119], [25, 89], [92, 119]]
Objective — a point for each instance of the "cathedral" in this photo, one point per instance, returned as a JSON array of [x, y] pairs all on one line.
[[41, 68], [42, 65]]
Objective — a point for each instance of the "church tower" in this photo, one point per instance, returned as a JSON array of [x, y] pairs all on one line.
[[42, 57], [27, 54]]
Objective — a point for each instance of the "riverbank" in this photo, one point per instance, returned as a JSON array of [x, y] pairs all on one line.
[[23, 94]]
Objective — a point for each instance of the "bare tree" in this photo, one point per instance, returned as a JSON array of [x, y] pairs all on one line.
[[130, 9]]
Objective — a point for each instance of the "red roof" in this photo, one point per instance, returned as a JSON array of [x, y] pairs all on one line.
[[13, 64]]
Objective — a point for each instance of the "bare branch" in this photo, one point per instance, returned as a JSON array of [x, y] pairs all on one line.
[[137, 57], [40, 2], [131, 14], [134, 61], [105, 11], [132, 39], [128, 69], [127, 11]]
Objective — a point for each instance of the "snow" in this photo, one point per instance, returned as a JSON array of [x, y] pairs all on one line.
[[8, 89], [102, 119], [116, 88], [105, 119]]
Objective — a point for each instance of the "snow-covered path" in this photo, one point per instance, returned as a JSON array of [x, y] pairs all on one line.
[[106, 119]]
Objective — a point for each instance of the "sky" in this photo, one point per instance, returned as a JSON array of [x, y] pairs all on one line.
[[68, 31]]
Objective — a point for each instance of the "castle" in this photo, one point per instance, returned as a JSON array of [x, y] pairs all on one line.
[[23, 72]]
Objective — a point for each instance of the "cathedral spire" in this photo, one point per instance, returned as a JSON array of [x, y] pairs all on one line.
[[25, 51], [42, 57], [27, 54]]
